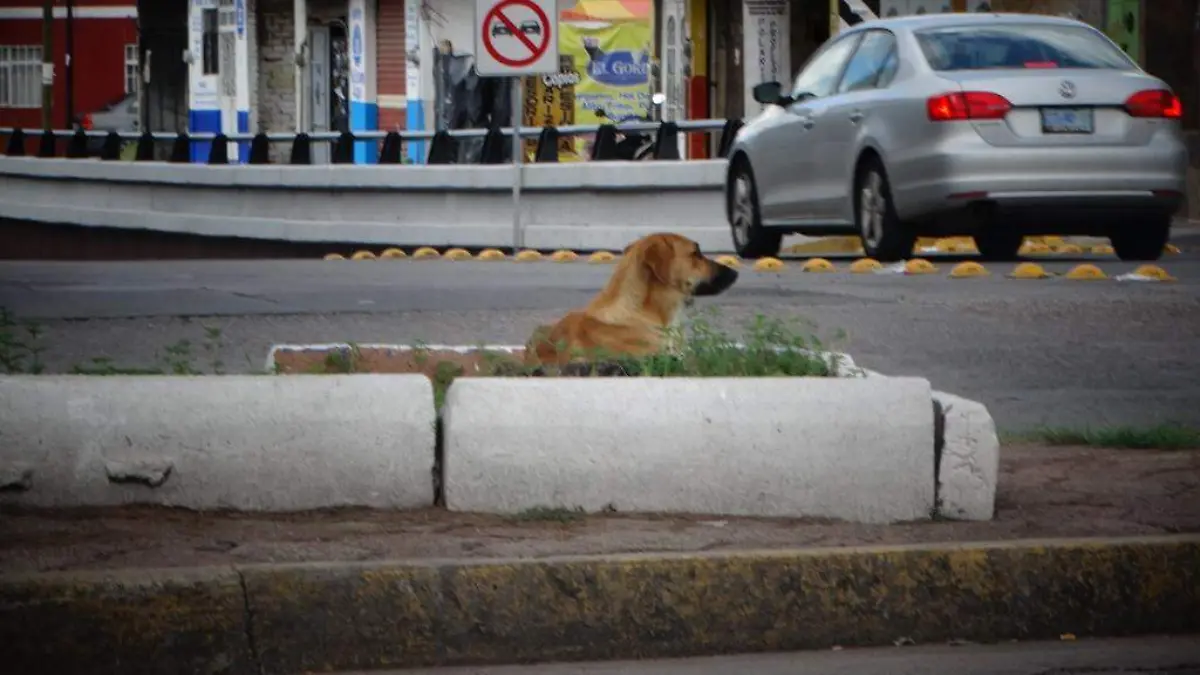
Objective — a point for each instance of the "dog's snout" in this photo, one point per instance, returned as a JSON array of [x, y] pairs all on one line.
[[723, 277]]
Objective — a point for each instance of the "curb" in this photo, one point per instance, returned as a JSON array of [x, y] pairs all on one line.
[[350, 616]]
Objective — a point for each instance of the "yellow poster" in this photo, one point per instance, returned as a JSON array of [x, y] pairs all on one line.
[[550, 102]]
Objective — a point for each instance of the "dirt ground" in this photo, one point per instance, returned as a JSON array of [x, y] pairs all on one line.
[[1043, 492]]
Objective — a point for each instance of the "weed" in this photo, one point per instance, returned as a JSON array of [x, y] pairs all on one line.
[[102, 365], [1161, 437], [212, 347], [551, 514], [344, 360], [20, 345]]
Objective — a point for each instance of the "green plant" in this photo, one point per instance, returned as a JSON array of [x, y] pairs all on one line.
[[553, 514], [20, 345], [1160, 437], [344, 360]]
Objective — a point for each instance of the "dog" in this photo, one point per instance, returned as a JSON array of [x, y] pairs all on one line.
[[655, 278]]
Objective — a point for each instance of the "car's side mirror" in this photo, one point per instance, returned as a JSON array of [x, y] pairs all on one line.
[[770, 93]]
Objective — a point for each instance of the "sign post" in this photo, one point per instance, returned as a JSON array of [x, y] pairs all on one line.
[[515, 38]]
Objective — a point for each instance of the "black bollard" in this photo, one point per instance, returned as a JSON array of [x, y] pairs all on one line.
[[47, 145], [547, 146], [260, 149], [492, 151], [604, 147], [301, 150], [145, 147], [111, 150], [392, 148], [343, 149], [77, 147], [218, 152], [666, 141], [443, 149], [181, 149]]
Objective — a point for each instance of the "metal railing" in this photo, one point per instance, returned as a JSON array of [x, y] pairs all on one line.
[[442, 145]]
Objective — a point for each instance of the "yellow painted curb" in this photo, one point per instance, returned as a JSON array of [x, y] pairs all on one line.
[[457, 254], [564, 256], [1153, 272], [768, 265], [919, 266], [528, 255], [1103, 249], [967, 270], [827, 245], [729, 261], [865, 266], [491, 254], [334, 256], [393, 253], [818, 265], [601, 257], [1028, 270], [1086, 272], [425, 253], [363, 255]]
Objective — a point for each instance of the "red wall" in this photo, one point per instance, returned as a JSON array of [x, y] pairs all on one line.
[[99, 61]]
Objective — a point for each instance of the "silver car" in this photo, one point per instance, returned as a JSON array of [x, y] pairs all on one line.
[[995, 126]]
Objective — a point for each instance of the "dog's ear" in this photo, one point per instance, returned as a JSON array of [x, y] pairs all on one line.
[[657, 256]]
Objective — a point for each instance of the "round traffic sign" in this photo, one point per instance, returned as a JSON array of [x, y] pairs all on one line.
[[508, 41]]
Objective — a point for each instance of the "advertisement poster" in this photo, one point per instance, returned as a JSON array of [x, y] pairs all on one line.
[[605, 49], [1124, 26], [550, 101], [767, 50]]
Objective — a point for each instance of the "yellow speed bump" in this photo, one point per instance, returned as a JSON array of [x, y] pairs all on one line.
[[1153, 272], [425, 253], [1029, 270], [729, 261], [1069, 249], [967, 270], [1171, 248], [564, 256], [601, 257], [393, 253], [865, 266], [1102, 249], [491, 254], [457, 254], [955, 245], [827, 245], [363, 255], [528, 255], [768, 265], [919, 266], [1086, 272], [334, 256], [818, 265], [1033, 248]]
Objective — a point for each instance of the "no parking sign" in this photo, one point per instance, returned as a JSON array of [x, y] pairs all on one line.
[[516, 37]]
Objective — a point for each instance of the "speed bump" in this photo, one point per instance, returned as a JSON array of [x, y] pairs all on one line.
[[1086, 272], [457, 254], [393, 253], [956, 245], [491, 254], [1033, 248], [425, 253], [966, 270], [1171, 248], [865, 266], [1152, 273], [827, 245], [334, 256], [1102, 249], [363, 255], [729, 261], [1067, 249], [818, 265], [528, 255], [1029, 270], [919, 266], [768, 265], [564, 256], [601, 257]]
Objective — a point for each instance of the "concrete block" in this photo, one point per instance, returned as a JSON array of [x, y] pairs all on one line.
[[248, 442], [858, 449], [970, 461]]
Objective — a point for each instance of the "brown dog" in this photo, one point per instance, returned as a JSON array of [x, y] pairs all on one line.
[[657, 275]]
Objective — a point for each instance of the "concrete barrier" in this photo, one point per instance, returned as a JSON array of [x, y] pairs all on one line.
[[324, 617], [588, 206], [255, 443], [968, 459], [849, 448]]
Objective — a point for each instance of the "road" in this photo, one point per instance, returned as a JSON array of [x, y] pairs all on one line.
[[1145, 656], [1037, 352]]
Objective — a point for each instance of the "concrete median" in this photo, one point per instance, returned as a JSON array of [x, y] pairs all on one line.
[[254, 443], [349, 616]]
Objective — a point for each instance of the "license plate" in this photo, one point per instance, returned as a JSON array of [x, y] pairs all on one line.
[[1067, 120]]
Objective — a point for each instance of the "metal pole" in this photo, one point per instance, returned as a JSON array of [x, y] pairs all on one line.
[[518, 150], [47, 63]]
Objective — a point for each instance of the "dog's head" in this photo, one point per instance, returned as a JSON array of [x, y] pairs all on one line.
[[674, 261]]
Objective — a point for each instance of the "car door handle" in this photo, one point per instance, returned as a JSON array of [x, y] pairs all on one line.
[[856, 116]]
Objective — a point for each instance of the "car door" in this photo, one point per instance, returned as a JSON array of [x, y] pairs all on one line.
[[785, 157], [838, 128]]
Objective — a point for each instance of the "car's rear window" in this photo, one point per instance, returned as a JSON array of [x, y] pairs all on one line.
[[1018, 46]]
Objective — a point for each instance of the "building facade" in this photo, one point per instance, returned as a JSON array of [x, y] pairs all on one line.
[[102, 37]]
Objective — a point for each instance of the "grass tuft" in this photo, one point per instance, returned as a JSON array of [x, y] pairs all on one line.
[[1161, 437]]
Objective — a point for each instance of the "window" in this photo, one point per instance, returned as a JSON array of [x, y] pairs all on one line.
[[210, 42], [132, 71], [21, 77], [820, 75], [1017, 46], [867, 64]]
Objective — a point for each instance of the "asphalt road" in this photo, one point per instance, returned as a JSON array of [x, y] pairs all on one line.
[[1037, 352], [1145, 656]]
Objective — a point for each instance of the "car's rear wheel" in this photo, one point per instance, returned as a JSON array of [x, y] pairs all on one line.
[[999, 244], [884, 236], [1142, 240], [750, 238]]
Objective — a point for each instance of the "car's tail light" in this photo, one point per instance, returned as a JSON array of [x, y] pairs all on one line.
[[1154, 103], [967, 105], [1041, 64]]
